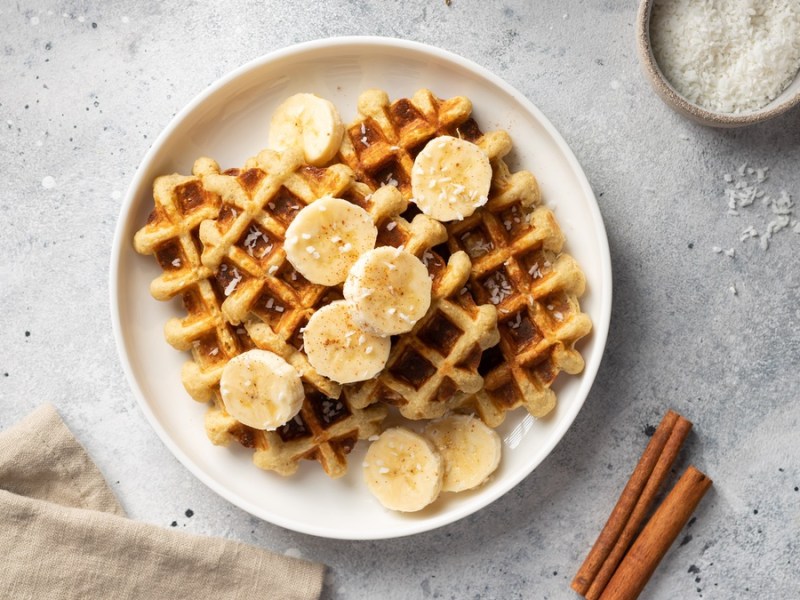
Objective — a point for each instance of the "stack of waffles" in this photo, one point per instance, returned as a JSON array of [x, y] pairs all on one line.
[[504, 315]]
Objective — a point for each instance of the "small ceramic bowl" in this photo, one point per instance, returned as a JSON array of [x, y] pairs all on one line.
[[787, 100]]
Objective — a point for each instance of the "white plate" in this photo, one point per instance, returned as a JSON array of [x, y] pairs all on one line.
[[228, 121]]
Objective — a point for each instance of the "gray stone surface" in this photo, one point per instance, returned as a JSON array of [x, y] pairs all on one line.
[[85, 90]]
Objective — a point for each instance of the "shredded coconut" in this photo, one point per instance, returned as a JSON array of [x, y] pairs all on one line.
[[475, 245], [498, 287], [742, 189], [390, 180], [727, 56], [252, 239], [427, 257], [229, 289]]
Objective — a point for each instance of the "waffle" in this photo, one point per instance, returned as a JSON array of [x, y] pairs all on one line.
[[382, 143], [515, 245], [213, 204], [171, 235], [537, 342], [245, 243], [272, 302], [434, 367], [326, 429]]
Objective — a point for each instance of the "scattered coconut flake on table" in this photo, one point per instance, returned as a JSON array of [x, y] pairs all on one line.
[[746, 194], [727, 56]]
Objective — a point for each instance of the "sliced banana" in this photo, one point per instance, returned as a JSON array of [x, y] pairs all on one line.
[[261, 390], [471, 450], [403, 470], [308, 122], [389, 290], [450, 179], [326, 238], [339, 349]]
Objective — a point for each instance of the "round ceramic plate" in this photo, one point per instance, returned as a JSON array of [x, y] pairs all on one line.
[[229, 122]]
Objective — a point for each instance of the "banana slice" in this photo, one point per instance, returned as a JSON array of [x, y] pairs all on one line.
[[339, 349], [403, 470], [471, 450], [450, 179], [326, 238], [389, 290], [309, 122], [261, 390]]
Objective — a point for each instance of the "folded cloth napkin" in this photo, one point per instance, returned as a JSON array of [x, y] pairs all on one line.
[[64, 535]]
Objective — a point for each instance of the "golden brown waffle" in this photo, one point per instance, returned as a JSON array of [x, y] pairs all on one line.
[[517, 265], [380, 146], [245, 246], [434, 368], [245, 243], [326, 429], [171, 234], [382, 143]]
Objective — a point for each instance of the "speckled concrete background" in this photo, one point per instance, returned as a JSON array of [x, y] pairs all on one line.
[[85, 91]]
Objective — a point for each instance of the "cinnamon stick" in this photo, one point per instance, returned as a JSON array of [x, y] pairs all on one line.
[[628, 500], [642, 507], [657, 536]]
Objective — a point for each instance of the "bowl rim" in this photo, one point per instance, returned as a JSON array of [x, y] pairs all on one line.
[[677, 101], [599, 332]]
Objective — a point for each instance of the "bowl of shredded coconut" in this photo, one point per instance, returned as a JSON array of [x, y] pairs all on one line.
[[724, 63]]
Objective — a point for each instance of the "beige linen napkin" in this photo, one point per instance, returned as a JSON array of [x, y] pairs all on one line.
[[64, 535]]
